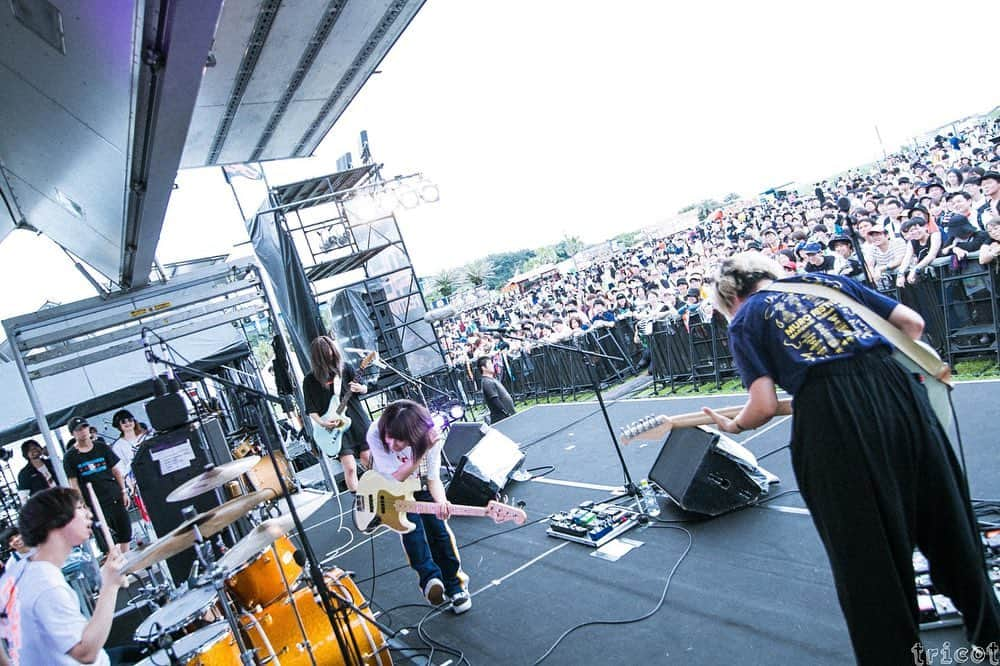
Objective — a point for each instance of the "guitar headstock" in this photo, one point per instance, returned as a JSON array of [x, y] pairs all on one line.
[[649, 428], [367, 360], [501, 513]]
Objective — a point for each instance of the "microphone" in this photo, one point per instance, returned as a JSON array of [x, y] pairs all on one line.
[[438, 314], [159, 387]]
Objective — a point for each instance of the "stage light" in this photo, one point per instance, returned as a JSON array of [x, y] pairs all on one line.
[[456, 412], [440, 421], [429, 192]]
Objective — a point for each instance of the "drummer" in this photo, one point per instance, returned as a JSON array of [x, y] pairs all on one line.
[[404, 444], [40, 618]]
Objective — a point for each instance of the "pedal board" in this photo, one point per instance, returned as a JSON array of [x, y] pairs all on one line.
[[937, 610], [592, 524]]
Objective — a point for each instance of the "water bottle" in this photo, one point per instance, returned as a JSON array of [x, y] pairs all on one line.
[[649, 503]]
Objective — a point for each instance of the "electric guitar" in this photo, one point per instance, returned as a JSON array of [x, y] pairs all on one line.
[[654, 428], [657, 427], [328, 441], [384, 501]]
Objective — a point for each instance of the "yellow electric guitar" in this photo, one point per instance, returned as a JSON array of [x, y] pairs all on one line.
[[384, 501]]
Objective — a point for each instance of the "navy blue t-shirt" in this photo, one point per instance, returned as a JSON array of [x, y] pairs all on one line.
[[783, 335]]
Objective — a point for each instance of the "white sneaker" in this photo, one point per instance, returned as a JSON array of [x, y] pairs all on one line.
[[460, 602], [434, 591]]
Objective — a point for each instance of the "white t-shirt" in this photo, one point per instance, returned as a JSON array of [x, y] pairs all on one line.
[[43, 620], [387, 462]]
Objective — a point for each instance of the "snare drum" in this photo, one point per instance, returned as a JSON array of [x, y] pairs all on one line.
[[213, 645], [279, 624], [260, 582], [176, 615]]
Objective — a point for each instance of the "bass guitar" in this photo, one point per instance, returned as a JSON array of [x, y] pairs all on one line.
[[328, 441], [384, 501]]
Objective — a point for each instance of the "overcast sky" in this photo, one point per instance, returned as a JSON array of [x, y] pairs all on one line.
[[539, 119]]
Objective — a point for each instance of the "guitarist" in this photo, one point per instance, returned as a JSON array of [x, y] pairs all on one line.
[[872, 461], [404, 442], [331, 381]]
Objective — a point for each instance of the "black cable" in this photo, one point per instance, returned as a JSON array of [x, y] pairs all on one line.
[[548, 470], [650, 613], [460, 546], [773, 451]]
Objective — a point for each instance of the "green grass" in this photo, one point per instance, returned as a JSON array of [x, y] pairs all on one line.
[[963, 371]]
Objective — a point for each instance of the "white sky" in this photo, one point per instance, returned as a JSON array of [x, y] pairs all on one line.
[[540, 119]]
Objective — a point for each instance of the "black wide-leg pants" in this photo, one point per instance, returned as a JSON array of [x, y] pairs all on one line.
[[879, 476]]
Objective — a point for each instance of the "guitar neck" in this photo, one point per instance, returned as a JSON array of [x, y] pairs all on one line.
[[414, 506]]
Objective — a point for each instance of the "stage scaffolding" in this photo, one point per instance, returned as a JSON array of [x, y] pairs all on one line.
[[357, 265]]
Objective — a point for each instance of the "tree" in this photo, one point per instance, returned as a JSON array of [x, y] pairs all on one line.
[[477, 272], [543, 255], [446, 282], [568, 246], [506, 265], [731, 197]]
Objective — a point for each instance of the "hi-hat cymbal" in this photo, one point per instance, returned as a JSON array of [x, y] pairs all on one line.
[[212, 479], [209, 523]]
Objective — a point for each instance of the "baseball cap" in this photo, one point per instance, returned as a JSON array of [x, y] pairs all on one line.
[[76, 422], [812, 248]]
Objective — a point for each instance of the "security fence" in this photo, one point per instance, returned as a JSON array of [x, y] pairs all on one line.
[[957, 299]]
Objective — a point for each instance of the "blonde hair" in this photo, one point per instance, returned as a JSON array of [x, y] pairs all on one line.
[[738, 276]]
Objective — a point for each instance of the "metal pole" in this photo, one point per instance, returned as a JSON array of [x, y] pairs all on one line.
[[324, 462], [36, 404], [879, 135]]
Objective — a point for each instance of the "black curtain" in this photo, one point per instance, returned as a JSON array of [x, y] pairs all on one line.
[[291, 286]]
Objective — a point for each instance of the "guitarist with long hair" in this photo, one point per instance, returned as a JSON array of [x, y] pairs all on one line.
[[404, 443], [330, 382]]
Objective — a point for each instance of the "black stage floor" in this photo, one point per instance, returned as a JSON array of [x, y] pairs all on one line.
[[754, 585]]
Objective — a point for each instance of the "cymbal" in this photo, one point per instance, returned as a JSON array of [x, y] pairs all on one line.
[[212, 479], [209, 523], [254, 543]]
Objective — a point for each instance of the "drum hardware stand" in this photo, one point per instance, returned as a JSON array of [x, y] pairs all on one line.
[[315, 572], [217, 577]]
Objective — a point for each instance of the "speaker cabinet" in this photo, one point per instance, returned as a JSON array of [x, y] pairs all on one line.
[[165, 461], [700, 478]]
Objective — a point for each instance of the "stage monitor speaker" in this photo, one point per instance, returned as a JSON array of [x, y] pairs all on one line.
[[462, 437], [162, 463], [700, 478], [483, 472]]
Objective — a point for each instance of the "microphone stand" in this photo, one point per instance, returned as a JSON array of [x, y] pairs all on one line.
[[315, 572], [631, 490], [421, 385]]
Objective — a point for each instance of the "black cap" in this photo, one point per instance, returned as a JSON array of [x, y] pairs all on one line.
[[76, 422]]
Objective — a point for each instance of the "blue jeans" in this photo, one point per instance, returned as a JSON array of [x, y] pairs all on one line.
[[431, 550]]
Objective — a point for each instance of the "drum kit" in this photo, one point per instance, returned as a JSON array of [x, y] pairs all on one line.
[[252, 605]]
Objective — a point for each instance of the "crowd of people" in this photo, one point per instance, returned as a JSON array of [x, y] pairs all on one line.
[[902, 213]]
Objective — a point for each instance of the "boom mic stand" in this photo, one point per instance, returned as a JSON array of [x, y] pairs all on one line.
[[631, 490], [312, 562]]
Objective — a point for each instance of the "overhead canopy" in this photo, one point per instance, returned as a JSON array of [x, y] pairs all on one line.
[[104, 101], [78, 358]]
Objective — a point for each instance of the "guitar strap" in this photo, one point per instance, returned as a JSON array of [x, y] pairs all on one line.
[[922, 356]]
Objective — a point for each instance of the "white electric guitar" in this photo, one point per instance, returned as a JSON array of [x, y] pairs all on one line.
[[384, 501], [328, 441]]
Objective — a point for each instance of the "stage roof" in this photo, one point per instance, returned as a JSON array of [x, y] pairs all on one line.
[[103, 102]]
